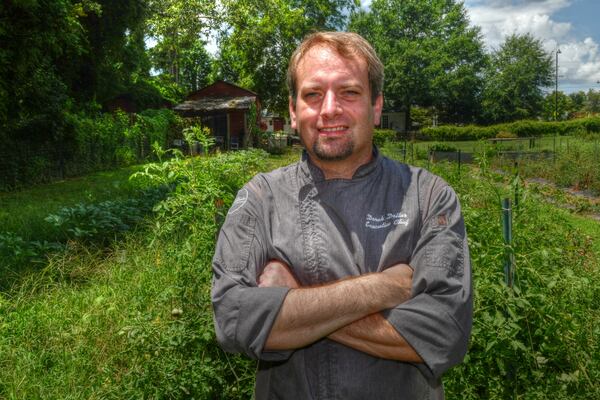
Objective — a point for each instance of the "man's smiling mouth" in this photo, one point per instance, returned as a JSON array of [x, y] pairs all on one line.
[[333, 129]]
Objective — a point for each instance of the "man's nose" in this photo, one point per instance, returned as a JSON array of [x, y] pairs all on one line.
[[330, 106]]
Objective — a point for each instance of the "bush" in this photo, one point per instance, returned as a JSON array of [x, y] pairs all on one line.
[[505, 135], [525, 128], [380, 136]]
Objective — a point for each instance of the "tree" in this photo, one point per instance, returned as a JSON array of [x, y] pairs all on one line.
[[557, 106], [518, 71], [178, 27], [432, 56], [38, 41], [258, 38], [578, 100], [593, 101], [112, 55], [193, 65]]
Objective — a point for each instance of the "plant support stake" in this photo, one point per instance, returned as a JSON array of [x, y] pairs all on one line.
[[509, 257]]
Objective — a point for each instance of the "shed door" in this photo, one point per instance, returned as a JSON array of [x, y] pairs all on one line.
[[220, 125]]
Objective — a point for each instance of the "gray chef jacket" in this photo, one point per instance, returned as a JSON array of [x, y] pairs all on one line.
[[326, 230]]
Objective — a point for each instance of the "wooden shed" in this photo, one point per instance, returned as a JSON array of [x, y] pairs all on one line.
[[224, 108]]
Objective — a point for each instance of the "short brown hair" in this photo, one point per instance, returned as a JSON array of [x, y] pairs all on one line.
[[348, 45]]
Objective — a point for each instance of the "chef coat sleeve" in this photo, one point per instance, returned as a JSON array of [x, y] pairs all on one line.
[[243, 312], [437, 319]]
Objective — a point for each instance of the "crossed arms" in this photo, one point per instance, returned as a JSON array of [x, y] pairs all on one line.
[[346, 311]]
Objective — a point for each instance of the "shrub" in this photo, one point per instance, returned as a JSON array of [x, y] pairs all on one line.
[[505, 135], [525, 128], [380, 136]]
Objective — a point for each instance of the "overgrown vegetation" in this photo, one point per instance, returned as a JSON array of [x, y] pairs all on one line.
[[572, 164], [89, 142], [131, 318], [538, 340]]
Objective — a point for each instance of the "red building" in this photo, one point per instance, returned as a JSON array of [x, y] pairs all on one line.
[[224, 108]]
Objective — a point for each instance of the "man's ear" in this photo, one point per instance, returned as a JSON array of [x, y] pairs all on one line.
[[292, 106], [377, 109]]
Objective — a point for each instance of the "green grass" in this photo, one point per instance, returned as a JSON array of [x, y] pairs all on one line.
[[591, 228], [23, 212]]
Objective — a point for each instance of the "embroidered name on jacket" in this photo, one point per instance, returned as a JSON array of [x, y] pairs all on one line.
[[389, 219]]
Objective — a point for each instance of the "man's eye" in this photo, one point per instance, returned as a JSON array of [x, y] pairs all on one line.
[[351, 93], [311, 95]]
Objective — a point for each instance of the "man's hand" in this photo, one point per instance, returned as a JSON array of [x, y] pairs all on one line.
[[402, 275], [277, 274]]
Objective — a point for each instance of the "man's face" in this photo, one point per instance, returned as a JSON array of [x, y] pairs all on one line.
[[333, 110]]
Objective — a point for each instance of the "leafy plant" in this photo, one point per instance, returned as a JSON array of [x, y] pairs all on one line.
[[103, 221]]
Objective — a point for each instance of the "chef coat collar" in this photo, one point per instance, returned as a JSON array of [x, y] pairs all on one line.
[[310, 170]]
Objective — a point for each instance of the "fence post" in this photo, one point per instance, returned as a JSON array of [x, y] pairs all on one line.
[[509, 257], [459, 161]]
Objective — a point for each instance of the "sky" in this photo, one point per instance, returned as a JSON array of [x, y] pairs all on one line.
[[570, 25]]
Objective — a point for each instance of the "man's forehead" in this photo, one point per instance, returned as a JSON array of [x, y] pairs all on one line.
[[321, 60], [322, 52]]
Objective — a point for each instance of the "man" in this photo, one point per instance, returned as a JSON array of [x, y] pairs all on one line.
[[346, 274]]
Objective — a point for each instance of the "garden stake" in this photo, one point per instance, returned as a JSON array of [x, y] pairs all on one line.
[[516, 185], [459, 162], [509, 258], [404, 155]]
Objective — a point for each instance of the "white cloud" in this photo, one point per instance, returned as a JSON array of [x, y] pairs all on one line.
[[502, 18], [579, 61]]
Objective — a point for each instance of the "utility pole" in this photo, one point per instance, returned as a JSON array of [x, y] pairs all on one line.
[[556, 86]]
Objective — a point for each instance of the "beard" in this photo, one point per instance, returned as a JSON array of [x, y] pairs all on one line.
[[336, 152]]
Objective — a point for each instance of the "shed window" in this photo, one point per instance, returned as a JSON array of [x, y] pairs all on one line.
[[385, 121]]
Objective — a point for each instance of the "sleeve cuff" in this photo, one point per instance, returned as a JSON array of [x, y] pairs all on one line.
[[258, 309]]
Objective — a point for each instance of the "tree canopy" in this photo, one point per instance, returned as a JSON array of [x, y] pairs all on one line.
[[258, 38], [514, 81], [432, 56], [59, 56]]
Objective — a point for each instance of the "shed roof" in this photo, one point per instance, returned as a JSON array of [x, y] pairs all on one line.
[[216, 103]]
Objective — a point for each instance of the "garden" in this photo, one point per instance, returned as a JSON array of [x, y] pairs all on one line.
[[105, 290]]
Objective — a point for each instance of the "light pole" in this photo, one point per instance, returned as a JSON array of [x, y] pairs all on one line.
[[556, 86]]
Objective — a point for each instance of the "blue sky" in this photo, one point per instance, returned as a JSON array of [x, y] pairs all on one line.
[[571, 25]]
